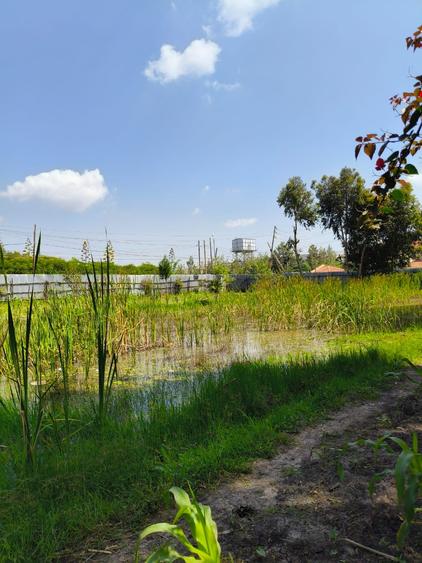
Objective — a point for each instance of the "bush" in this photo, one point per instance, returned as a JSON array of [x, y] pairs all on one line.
[[177, 287]]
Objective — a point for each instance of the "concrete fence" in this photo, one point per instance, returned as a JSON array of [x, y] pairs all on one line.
[[20, 285]]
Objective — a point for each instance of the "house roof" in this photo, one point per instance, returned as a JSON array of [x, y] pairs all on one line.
[[324, 269], [415, 264]]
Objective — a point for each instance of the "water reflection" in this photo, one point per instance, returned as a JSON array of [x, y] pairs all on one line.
[[170, 364]]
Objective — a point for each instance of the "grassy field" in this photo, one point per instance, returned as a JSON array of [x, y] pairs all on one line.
[[85, 481], [90, 470], [379, 303]]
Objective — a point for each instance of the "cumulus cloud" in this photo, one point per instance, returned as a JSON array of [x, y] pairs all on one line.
[[198, 59], [69, 189], [235, 223], [196, 211], [237, 15], [223, 86]]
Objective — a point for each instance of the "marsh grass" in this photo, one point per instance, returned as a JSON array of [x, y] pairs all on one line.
[[121, 471], [379, 303]]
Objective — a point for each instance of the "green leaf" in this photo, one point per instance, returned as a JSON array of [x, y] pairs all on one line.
[[173, 530], [410, 169], [164, 554], [261, 552], [397, 195], [386, 210]]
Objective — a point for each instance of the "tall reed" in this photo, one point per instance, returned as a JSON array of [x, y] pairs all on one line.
[[19, 361], [100, 293]]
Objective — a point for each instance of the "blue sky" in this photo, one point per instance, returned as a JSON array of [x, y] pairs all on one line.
[[103, 128]]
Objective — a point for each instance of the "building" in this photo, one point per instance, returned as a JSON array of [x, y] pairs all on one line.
[[324, 269]]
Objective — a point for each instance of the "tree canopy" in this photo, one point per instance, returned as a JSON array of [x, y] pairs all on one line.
[[298, 204]]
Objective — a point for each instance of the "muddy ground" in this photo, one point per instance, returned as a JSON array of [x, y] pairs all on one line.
[[295, 508]]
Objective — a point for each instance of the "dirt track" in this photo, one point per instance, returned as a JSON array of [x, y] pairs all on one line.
[[293, 508]]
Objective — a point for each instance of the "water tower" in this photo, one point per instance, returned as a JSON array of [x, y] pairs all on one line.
[[244, 246]]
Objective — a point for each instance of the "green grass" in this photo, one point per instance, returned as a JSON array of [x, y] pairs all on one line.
[[380, 303], [85, 477], [119, 473], [406, 344]]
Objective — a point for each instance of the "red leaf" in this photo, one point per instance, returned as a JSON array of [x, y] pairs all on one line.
[[357, 150], [370, 149]]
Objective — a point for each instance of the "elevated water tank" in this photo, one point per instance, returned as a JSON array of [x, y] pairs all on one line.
[[243, 245]]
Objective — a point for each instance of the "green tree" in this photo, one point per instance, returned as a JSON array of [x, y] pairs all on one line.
[[392, 244], [285, 257], [339, 202], [190, 264], [173, 261], [165, 268], [298, 204]]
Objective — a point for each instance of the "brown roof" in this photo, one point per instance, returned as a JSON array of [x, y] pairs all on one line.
[[415, 264], [324, 269]]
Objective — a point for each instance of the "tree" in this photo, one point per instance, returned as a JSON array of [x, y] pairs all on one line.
[[190, 264], [298, 204], [339, 200], [173, 261], [285, 257], [318, 256], [392, 244], [405, 144], [85, 252], [165, 268]]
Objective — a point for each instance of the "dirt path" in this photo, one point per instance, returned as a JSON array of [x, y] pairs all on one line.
[[293, 507]]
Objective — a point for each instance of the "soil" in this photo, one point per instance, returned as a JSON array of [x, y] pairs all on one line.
[[294, 508]]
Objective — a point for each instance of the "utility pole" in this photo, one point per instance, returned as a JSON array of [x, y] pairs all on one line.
[[273, 254], [199, 255], [274, 235], [205, 256], [211, 253]]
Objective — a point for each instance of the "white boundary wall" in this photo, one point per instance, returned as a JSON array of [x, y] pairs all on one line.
[[20, 285]]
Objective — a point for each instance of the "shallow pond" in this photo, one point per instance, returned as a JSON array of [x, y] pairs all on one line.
[[172, 364], [169, 368]]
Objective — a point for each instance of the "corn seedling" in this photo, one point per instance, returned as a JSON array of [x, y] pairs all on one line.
[[407, 474], [202, 527], [408, 478]]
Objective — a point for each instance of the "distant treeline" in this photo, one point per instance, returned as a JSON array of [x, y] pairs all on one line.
[[17, 263]]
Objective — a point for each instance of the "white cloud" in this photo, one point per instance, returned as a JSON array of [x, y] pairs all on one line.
[[196, 211], [206, 188], [69, 189], [235, 223], [198, 59], [237, 15], [207, 29], [222, 86]]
